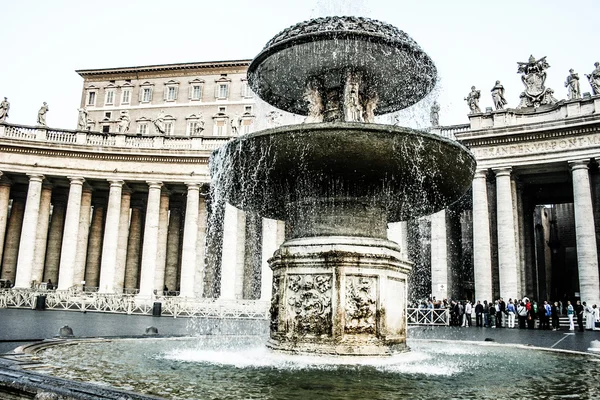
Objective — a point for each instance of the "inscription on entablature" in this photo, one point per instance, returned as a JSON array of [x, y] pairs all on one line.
[[539, 147]]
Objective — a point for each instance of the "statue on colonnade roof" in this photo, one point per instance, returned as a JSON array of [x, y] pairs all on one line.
[[534, 78]]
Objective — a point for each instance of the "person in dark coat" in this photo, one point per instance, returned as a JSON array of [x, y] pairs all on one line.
[[555, 316], [479, 314], [579, 314]]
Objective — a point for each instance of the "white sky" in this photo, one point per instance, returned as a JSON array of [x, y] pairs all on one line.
[[471, 42]]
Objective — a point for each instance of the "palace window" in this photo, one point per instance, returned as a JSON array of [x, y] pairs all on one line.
[[168, 128], [248, 110], [91, 99], [146, 96], [246, 125], [125, 96], [246, 91], [196, 92], [222, 91], [142, 128], [222, 87], [106, 129], [108, 115], [109, 98]]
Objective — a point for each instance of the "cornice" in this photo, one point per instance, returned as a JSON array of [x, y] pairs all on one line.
[[164, 67], [529, 136], [153, 158]]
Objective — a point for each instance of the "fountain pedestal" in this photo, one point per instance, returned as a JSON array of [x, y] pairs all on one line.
[[339, 295]]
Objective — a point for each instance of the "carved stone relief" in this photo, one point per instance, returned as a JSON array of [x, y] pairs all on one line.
[[309, 302], [361, 307], [274, 310]]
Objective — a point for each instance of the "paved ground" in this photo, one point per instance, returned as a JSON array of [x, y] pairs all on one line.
[[20, 326]]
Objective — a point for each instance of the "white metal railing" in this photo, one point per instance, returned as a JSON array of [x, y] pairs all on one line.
[[44, 134], [428, 316], [175, 306]]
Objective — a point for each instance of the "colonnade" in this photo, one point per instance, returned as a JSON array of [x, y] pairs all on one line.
[[508, 234], [141, 242]]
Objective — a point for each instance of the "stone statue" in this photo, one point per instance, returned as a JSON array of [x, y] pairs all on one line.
[[498, 96], [124, 122], [593, 78], [82, 119], [472, 100], [41, 117], [4, 107], [315, 103], [534, 77], [572, 84], [434, 115], [353, 111], [159, 123], [235, 124]]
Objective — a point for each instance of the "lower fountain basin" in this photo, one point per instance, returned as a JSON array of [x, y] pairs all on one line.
[[234, 367], [403, 172]]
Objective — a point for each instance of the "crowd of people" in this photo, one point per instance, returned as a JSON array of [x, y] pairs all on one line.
[[523, 314]]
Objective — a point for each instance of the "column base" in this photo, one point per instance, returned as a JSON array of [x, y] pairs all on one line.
[[339, 295]]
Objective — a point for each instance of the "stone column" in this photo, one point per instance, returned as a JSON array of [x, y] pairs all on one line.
[[39, 258], [68, 252], [94, 248], [13, 234], [84, 232], [150, 246], [111, 238], [273, 235], [507, 249], [232, 258], [119, 281], [4, 200], [132, 266], [398, 232], [190, 240], [29, 231], [482, 257], [173, 241], [161, 251], [587, 253], [55, 237], [200, 248], [439, 256]]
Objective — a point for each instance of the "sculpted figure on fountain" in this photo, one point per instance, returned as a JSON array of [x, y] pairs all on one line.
[[534, 78], [315, 103], [593, 78], [472, 100], [572, 84], [498, 96]]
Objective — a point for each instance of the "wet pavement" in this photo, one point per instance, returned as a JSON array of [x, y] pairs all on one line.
[[21, 326]]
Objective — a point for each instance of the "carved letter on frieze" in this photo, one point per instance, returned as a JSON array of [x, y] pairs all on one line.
[[309, 302], [361, 304]]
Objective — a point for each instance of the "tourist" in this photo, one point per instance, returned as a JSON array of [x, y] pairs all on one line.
[[478, 314], [492, 312], [531, 315], [596, 317], [579, 313], [461, 313], [510, 308], [570, 314], [502, 309], [468, 310], [541, 316], [498, 314], [546, 314], [590, 318], [522, 312], [486, 319], [555, 316]]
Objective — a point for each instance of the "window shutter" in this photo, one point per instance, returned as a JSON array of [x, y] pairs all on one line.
[[190, 92], [176, 92], [150, 88], [140, 94], [217, 90], [166, 93]]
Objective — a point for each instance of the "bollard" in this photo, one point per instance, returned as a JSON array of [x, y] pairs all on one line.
[[151, 330], [40, 302], [157, 309], [65, 331]]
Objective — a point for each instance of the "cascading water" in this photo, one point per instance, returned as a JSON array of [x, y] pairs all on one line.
[[339, 286]]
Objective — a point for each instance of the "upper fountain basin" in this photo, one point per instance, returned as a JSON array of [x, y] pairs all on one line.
[[393, 68], [401, 171]]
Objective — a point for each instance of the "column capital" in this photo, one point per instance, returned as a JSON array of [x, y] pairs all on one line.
[[116, 183], [154, 184], [480, 174], [36, 177], [502, 171], [76, 180], [579, 164], [193, 185]]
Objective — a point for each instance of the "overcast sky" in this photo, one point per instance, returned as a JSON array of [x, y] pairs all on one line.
[[471, 42]]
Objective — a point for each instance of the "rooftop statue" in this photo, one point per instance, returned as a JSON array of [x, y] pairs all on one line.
[[498, 96], [534, 78], [434, 114], [41, 117], [124, 122], [572, 84], [472, 100], [82, 119], [593, 78], [4, 107], [159, 122]]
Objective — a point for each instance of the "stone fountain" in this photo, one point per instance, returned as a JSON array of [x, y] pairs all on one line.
[[338, 179]]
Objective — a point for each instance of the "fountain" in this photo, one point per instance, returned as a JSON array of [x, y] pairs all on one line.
[[338, 179]]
